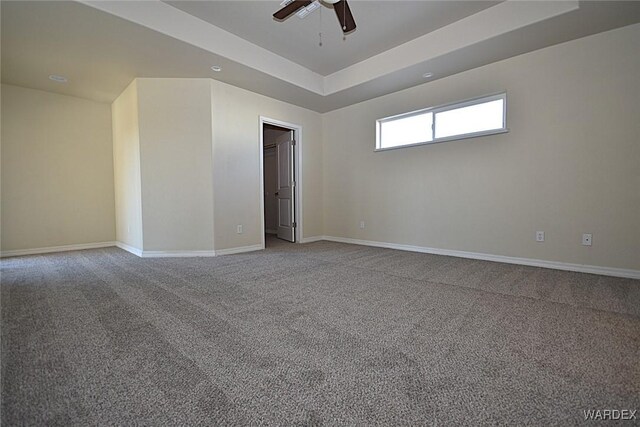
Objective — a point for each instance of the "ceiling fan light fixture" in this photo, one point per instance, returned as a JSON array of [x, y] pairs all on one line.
[[302, 13]]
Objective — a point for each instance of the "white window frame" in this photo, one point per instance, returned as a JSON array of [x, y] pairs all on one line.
[[446, 107]]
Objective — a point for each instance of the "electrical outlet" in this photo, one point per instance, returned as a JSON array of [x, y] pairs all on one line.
[[539, 236], [587, 239], [239, 229], [362, 224]]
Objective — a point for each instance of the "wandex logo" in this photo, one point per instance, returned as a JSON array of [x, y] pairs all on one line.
[[610, 414]]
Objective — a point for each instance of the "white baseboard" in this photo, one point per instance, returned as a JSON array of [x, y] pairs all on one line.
[[50, 249], [313, 239], [164, 254], [581, 268], [239, 250], [128, 248], [186, 254], [177, 254]]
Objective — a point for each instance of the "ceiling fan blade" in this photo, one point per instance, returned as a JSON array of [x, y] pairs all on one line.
[[347, 23], [291, 8]]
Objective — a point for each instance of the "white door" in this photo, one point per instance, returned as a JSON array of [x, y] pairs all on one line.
[[286, 187]]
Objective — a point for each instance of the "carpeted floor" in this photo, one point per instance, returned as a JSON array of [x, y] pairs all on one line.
[[322, 333]]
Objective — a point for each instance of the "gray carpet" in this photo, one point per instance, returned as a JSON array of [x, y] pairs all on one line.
[[322, 333]]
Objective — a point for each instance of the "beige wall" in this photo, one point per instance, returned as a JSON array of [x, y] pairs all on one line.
[[569, 165], [175, 147], [126, 163], [57, 170], [236, 169], [199, 164]]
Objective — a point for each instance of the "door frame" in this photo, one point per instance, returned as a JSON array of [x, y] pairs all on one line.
[[297, 161]]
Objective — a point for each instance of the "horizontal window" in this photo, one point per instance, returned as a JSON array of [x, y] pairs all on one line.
[[406, 130], [476, 117]]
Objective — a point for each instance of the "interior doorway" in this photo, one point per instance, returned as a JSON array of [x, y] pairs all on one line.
[[280, 181]]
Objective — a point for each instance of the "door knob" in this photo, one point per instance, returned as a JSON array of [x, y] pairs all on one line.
[[276, 193]]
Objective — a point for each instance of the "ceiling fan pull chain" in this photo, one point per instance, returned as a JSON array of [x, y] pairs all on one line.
[[320, 33]]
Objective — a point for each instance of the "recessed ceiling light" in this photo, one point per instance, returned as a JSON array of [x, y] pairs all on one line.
[[427, 75], [216, 68], [58, 79]]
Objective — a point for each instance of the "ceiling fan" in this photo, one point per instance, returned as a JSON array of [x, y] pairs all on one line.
[[343, 12]]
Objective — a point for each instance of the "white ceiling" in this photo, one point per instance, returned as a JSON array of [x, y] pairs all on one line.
[[381, 25], [101, 46]]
